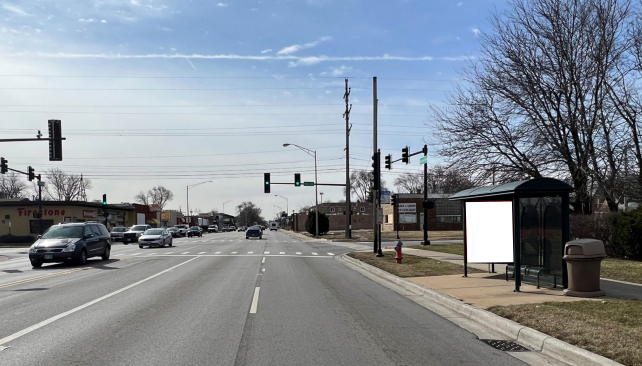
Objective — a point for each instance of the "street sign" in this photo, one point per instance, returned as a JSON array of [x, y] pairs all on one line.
[[154, 207], [41, 183], [385, 197], [379, 215], [423, 160], [308, 184]]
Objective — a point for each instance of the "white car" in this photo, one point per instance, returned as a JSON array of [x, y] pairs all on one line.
[[155, 238]]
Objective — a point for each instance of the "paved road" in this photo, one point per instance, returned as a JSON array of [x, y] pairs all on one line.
[[220, 300]]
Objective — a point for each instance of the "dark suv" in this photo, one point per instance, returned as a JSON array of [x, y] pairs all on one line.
[[71, 242]]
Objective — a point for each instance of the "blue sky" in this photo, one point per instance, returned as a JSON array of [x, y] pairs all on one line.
[[178, 92]]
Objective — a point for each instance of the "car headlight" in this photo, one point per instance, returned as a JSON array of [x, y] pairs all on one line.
[[70, 248], [33, 249]]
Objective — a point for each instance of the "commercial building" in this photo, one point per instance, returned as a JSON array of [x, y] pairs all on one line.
[[18, 216], [408, 213]]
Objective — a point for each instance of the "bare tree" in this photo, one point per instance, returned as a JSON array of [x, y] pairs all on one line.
[[410, 183], [361, 181], [142, 198], [160, 196], [62, 186], [12, 186], [440, 180]]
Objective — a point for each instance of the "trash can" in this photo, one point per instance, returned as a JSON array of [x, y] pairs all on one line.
[[583, 259]]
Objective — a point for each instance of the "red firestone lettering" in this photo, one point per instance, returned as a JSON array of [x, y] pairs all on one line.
[[20, 211], [62, 212], [56, 212]]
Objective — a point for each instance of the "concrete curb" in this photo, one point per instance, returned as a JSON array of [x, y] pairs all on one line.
[[532, 338]]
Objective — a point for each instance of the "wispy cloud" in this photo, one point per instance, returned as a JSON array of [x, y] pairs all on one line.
[[267, 51], [166, 29], [254, 9], [297, 47], [103, 21], [337, 71], [134, 2], [83, 20], [309, 60], [475, 31], [460, 4], [15, 9], [222, 5]]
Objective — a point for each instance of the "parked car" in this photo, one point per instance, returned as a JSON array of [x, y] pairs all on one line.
[[71, 242], [134, 233], [212, 229], [195, 231], [254, 232], [232, 227], [241, 228], [117, 233], [274, 226], [182, 229], [173, 232], [155, 238]]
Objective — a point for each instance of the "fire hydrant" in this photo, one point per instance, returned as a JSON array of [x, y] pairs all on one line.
[[398, 254]]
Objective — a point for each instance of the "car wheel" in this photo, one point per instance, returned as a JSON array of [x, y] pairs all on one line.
[[140, 246], [82, 260], [105, 255], [261, 237], [36, 264], [125, 242]]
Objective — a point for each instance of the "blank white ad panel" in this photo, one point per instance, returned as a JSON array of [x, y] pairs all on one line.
[[489, 232]]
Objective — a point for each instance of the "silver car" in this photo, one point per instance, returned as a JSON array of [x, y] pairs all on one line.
[[155, 238], [117, 233]]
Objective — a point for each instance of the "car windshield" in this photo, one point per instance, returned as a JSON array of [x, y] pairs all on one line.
[[194, 228], [119, 229], [138, 228], [153, 232], [172, 229], [63, 232]]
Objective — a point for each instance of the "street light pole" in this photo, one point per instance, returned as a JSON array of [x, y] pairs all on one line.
[[189, 218], [287, 202], [312, 153], [224, 205]]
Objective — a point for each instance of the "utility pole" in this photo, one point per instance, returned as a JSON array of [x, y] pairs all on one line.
[[40, 204], [346, 115], [425, 203], [375, 150]]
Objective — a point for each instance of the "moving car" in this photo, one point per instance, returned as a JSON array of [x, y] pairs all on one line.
[[195, 231], [212, 229], [254, 232], [117, 233], [134, 233], [173, 232], [71, 242], [232, 227], [241, 228], [182, 229], [274, 226], [155, 238]]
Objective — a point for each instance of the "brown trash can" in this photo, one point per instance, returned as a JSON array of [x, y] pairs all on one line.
[[583, 260]]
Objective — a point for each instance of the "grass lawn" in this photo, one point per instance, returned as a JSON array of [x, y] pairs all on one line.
[[442, 248], [366, 235], [611, 328], [412, 266], [622, 270]]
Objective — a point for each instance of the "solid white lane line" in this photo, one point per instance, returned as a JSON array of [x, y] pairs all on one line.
[[217, 253], [250, 252], [263, 261], [233, 252], [266, 252], [185, 253], [255, 301], [281, 252], [299, 253], [135, 254], [202, 252], [313, 253], [330, 253], [30, 329]]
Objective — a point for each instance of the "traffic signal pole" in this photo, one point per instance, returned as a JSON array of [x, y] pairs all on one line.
[[40, 205], [425, 203]]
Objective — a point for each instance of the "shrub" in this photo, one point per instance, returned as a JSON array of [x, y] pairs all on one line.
[[324, 223], [17, 239], [627, 234], [595, 226]]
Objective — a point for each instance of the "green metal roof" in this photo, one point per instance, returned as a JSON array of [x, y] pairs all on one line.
[[543, 186]]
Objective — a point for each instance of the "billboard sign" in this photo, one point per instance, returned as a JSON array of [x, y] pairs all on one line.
[[154, 207], [489, 232], [407, 208], [407, 218], [166, 216]]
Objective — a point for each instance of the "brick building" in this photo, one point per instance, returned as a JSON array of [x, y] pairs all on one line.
[[361, 216], [408, 213]]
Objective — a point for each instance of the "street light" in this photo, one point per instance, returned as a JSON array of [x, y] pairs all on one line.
[[188, 187], [224, 205], [316, 192], [287, 203], [321, 193]]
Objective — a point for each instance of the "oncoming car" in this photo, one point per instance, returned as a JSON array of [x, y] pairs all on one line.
[[71, 242], [155, 238]]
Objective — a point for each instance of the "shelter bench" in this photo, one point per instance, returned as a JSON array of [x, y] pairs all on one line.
[[533, 271]]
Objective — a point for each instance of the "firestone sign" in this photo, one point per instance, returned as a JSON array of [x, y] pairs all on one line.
[[45, 212]]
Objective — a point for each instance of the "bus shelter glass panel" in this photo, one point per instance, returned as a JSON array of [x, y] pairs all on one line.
[[541, 233]]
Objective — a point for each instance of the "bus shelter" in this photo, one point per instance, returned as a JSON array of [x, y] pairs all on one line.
[[523, 224]]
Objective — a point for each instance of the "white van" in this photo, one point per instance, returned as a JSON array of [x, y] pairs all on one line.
[[274, 226]]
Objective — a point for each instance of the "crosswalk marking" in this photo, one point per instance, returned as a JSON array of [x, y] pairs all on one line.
[[202, 252], [299, 253], [250, 252], [169, 252], [217, 253], [313, 253], [281, 252], [233, 252], [185, 253], [266, 252], [330, 253]]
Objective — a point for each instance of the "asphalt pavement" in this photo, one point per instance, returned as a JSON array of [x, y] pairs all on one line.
[[220, 300]]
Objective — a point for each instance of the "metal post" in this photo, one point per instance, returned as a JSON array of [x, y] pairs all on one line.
[[517, 243], [463, 208], [188, 218], [396, 218], [316, 198], [378, 200], [426, 241], [40, 205], [348, 233], [374, 152]]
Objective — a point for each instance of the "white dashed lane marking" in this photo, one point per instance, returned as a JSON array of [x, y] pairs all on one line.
[[185, 253], [250, 252], [217, 253], [299, 253], [202, 252], [233, 252], [313, 253], [281, 252], [330, 253]]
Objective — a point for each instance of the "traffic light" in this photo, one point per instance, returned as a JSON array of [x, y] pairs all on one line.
[[425, 150], [30, 174], [376, 172], [393, 200], [104, 199], [266, 180], [3, 165], [55, 140], [388, 161], [405, 152], [297, 179]]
